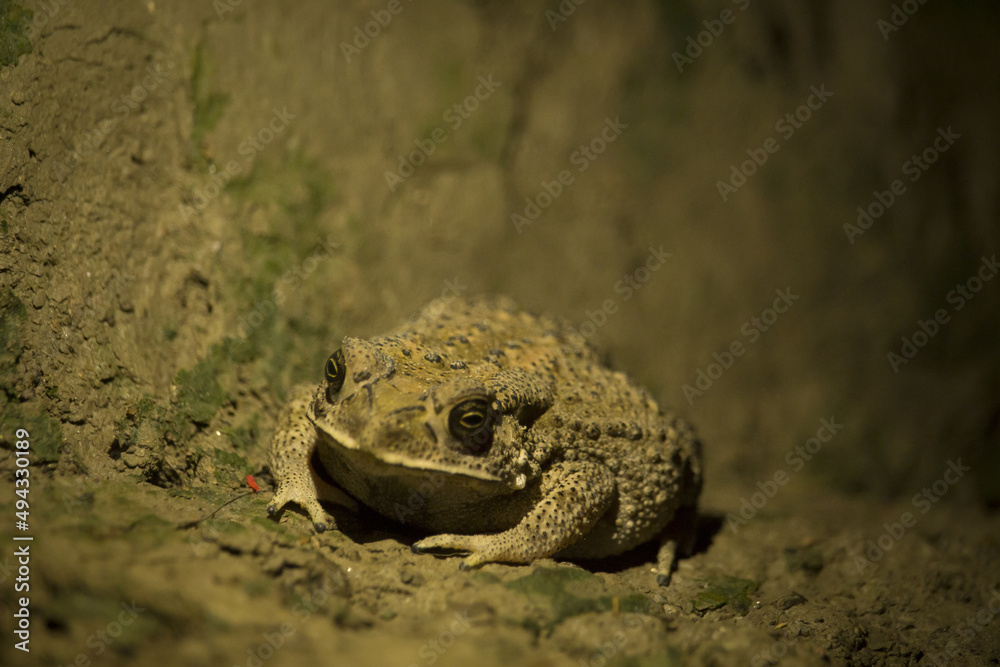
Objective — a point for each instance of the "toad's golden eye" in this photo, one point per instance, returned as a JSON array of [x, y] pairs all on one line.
[[336, 371], [470, 423]]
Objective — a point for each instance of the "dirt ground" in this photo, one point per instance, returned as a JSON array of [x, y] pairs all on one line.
[[198, 200]]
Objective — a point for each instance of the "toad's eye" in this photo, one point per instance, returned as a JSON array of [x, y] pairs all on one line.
[[471, 423], [336, 371]]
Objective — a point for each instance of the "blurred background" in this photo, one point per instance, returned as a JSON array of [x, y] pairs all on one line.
[[689, 110]]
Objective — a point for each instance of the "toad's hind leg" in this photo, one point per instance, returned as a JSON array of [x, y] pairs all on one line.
[[678, 540], [573, 496], [291, 448]]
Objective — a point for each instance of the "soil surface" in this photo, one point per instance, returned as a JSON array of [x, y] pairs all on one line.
[[781, 217]]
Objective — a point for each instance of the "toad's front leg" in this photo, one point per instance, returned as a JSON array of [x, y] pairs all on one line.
[[291, 449], [574, 495]]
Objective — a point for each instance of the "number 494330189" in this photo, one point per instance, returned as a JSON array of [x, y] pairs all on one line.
[[23, 445]]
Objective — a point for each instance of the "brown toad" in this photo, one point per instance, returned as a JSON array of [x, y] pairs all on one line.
[[500, 429]]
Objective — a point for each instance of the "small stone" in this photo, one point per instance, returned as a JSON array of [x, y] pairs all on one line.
[[411, 578], [17, 97], [38, 300], [790, 601]]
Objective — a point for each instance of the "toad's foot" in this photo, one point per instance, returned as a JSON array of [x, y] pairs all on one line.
[[574, 496], [304, 498]]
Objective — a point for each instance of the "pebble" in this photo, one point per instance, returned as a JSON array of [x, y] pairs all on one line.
[[411, 578], [38, 300], [790, 601]]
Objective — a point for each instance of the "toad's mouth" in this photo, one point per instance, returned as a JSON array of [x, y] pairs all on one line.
[[358, 459]]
